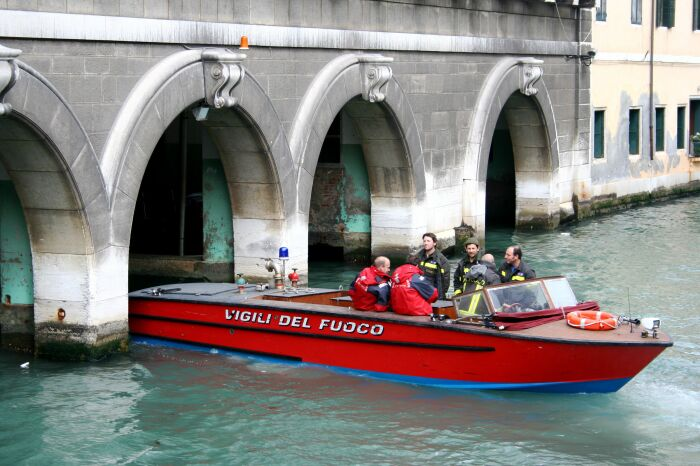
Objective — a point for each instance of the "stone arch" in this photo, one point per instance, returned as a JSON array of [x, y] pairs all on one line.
[[390, 140], [514, 86], [48, 156], [241, 121]]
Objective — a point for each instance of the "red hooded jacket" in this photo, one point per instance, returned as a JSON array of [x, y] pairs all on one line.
[[370, 290], [411, 292]]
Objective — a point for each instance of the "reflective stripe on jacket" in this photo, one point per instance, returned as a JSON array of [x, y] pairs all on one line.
[[509, 273], [436, 269], [467, 280]]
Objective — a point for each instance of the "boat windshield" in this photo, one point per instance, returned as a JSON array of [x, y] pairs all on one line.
[[532, 295], [560, 291], [520, 297]]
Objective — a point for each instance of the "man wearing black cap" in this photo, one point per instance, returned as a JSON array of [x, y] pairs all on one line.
[[464, 281]]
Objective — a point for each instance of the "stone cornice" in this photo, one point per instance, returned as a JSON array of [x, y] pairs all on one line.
[[60, 26]]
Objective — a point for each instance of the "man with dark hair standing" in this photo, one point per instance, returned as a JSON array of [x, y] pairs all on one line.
[[370, 291], [513, 267], [434, 265]]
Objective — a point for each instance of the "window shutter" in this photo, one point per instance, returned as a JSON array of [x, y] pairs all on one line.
[[598, 134], [680, 128], [660, 143], [634, 132], [636, 12], [671, 17], [660, 5]]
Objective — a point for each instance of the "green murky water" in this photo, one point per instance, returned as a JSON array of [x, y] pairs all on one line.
[[168, 405]]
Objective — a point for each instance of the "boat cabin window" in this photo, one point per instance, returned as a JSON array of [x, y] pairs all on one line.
[[560, 291], [521, 297], [472, 305], [535, 295]]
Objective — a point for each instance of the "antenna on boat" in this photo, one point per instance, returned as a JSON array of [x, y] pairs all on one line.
[[629, 309]]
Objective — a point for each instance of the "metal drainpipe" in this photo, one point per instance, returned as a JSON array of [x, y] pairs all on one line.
[[652, 28], [577, 77], [183, 182]]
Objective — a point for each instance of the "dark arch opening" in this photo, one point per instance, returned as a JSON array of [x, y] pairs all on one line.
[[340, 209], [500, 178], [182, 225], [171, 187]]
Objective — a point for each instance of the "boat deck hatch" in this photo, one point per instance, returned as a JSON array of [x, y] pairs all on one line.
[[192, 289]]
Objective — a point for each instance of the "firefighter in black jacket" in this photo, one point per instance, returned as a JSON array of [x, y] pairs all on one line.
[[465, 281], [462, 284], [434, 265], [513, 268]]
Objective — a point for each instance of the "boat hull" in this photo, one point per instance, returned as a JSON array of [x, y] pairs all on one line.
[[411, 350]]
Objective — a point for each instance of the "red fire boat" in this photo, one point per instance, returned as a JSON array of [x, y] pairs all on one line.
[[513, 336]]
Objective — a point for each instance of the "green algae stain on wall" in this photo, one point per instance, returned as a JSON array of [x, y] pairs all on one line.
[[15, 252], [355, 201], [216, 204]]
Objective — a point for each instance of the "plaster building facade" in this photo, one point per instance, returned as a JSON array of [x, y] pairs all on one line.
[[645, 93], [145, 127]]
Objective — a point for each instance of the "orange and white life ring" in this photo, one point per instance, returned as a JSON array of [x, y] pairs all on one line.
[[592, 320]]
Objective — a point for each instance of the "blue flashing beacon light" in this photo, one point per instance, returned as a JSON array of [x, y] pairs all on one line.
[[284, 253]]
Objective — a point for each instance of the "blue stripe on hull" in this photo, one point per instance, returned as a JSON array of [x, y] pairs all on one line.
[[593, 386]]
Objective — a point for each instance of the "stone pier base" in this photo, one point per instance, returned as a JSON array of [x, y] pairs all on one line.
[[17, 327], [65, 342]]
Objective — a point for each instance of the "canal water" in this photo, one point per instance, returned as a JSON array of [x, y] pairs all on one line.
[[183, 405]]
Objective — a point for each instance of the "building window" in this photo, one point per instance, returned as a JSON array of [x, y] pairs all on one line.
[[666, 13], [660, 113], [599, 134], [634, 131], [680, 128], [637, 11], [601, 13], [696, 15]]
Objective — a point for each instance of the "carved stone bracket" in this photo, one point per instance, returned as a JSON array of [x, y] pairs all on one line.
[[222, 72], [376, 72], [9, 74], [529, 75]]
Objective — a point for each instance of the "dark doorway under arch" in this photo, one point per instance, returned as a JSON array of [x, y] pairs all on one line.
[[340, 210], [500, 179], [158, 227]]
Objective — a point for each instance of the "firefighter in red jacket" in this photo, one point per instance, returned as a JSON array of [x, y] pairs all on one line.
[[411, 292], [370, 289]]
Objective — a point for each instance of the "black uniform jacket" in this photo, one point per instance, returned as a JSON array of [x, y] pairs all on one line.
[[509, 273], [436, 269]]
